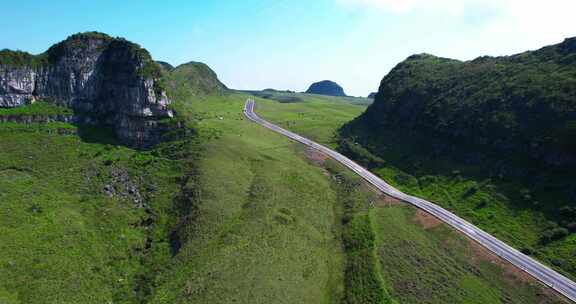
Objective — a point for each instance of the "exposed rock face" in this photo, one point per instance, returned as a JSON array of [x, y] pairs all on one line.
[[326, 87], [104, 80]]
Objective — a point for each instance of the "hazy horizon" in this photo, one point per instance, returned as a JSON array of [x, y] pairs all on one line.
[[288, 45]]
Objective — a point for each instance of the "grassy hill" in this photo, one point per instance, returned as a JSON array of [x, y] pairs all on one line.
[[490, 139], [192, 79]]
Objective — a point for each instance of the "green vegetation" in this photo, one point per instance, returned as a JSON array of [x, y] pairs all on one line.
[[37, 108], [265, 222], [417, 262], [76, 41], [490, 139], [236, 215], [520, 105], [22, 59], [316, 117], [166, 67], [227, 212], [193, 79], [526, 215], [326, 87], [438, 265], [362, 274], [283, 97], [82, 221]]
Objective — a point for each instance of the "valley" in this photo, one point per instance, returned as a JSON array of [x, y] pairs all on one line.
[[126, 180]]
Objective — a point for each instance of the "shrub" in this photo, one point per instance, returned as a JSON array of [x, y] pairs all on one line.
[[554, 234]]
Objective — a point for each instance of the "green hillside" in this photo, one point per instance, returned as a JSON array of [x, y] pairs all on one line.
[[83, 219], [491, 139], [192, 79], [418, 259], [264, 223]]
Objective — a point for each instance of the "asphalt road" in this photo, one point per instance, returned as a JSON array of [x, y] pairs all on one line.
[[542, 273]]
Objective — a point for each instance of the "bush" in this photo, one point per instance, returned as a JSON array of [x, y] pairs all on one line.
[[19, 59], [554, 235], [359, 153], [358, 234]]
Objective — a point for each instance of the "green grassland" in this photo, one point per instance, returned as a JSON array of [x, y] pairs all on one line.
[[63, 239], [314, 116], [265, 228], [36, 108]]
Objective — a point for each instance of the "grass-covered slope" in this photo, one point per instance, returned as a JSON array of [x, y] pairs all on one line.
[[82, 219], [314, 116], [192, 79], [491, 139], [87, 221], [418, 259], [265, 224]]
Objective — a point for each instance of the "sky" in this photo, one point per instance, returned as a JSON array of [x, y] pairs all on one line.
[[289, 44]]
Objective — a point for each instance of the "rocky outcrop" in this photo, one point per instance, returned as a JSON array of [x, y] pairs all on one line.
[[326, 87], [103, 79]]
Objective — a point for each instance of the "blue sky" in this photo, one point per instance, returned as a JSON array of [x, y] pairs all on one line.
[[288, 44]]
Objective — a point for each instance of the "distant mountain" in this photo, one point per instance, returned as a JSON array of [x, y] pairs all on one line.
[[326, 87], [372, 95], [193, 79]]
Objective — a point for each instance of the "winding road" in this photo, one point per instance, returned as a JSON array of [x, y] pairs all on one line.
[[539, 271]]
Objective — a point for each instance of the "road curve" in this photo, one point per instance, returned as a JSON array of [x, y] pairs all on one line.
[[542, 273]]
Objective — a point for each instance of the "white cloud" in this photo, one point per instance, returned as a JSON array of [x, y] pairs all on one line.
[[527, 23], [462, 29], [451, 7], [534, 14]]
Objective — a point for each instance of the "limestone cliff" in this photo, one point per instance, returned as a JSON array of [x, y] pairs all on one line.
[[104, 80]]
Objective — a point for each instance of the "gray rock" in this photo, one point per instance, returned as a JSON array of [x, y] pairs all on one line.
[[110, 81]]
